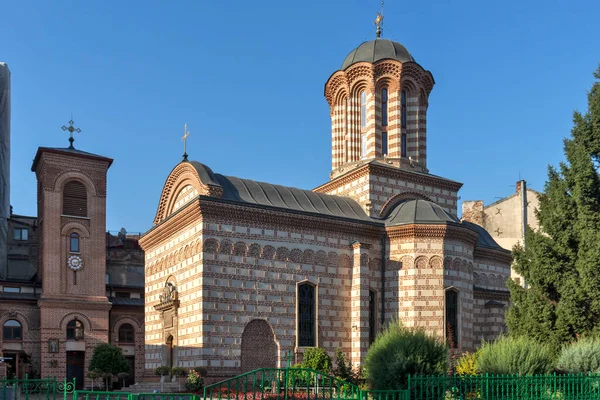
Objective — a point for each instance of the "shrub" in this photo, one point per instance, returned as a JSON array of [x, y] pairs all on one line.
[[467, 363], [343, 368], [515, 355], [162, 370], [398, 352], [580, 357], [194, 382], [178, 372], [316, 358]]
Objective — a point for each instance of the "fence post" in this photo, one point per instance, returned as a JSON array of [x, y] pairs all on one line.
[[487, 384], [26, 387]]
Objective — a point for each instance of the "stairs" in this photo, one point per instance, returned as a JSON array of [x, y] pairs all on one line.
[[149, 387]]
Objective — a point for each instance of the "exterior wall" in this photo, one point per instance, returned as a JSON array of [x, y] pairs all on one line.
[[22, 254], [378, 188], [4, 163], [134, 317], [28, 315]]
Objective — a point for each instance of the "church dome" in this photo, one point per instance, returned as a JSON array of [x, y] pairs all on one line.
[[375, 50], [419, 211]]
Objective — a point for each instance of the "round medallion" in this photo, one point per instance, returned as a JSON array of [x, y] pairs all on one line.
[[75, 262]]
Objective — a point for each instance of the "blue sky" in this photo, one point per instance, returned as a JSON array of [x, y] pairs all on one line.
[[248, 76]]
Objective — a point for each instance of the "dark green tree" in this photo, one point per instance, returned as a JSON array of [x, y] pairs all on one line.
[[561, 262], [108, 360]]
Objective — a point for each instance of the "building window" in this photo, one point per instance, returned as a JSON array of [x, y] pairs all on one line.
[[74, 246], [452, 318], [20, 234], [74, 330], [75, 199], [11, 289], [363, 109], [123, 295], [12, 330], [306, 315], [372, 317], [384, 143], [384, 107], [363, 145], [403, 109], [126, 334]]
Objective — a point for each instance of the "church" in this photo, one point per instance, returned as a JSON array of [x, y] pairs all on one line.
[[237, 274], [241, 273]]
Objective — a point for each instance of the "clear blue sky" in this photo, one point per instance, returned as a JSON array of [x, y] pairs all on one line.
[[247, 77]]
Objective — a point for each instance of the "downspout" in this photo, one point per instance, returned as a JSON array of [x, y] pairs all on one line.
[[524, 209], [382, 280]]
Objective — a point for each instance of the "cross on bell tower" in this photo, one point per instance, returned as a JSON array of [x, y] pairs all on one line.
[[71, 129]]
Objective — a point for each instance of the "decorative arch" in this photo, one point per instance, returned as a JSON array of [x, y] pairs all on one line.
[[364, 260], [308, 257], [436, 262], [333, 259], [254, 250], [211, 245], [126, 320], [17, 316], [184, 174], [345, 261], [400, 197], [75, 226], [268, 252], [282, 254], [407, 262], [296, 256], [421, 262], [456, 264], [240, 249], [259, 348], [63, 178], [226, 247], [87, 323], [321, 258]]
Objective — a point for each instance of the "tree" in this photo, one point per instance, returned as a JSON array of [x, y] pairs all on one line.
[[108, 360], [561, 262]]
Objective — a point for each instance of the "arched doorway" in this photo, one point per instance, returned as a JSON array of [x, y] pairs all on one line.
[[169, 352], [259, 349]]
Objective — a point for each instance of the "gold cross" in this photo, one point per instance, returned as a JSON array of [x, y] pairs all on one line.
[[71, 129], [186, 133]]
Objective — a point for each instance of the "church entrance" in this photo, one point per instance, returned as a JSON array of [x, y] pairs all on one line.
[[259, 349], [130, 380], [169, 352], [75, 367]]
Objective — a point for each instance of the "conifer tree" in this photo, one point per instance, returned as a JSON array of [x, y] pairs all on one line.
[[561, 262]]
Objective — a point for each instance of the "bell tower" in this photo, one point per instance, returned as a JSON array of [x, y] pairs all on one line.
[[72, 262]]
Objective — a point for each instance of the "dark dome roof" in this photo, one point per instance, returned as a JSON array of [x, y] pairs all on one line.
[[419, 212], [484, 239], [375, 50]]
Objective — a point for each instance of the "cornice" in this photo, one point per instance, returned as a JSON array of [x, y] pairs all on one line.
[[490, 294], [493, 254], [426, 231], [171, 225], [74, 304]]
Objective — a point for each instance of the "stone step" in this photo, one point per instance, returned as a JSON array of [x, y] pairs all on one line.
[[149, 387]]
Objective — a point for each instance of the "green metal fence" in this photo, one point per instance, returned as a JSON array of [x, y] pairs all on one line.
[[34, 389], [97, 395], [505, 387]]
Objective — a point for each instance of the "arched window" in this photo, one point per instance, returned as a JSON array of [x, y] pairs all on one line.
[[403, 109], [126, 334], [363, 145], [12, 330], [75, 199], [384, 107], [403, 151], [306, 315], [363, 109], [452, 318], [74, 243], [75, 330], [372, 317]]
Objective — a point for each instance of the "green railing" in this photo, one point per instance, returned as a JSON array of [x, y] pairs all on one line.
[[282, 384], [385, 395], [96, 395], [505, 387], [34, 389], [164, 396]]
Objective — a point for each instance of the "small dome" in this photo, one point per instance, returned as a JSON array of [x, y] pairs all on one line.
[[375, 50], [419, 212]]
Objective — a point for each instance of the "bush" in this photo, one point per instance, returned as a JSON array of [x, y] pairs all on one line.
[[162, 370], [194, 382], [580, 357], [515, 356], [398, 352], [316, 358], [343, 368], [467, 363], [178, 372]]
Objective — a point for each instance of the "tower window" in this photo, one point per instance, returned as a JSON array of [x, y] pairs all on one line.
[[75, 330], [403, 109], [363, 109], [403, 145], [384, 107], [75, 199], [452, 318], [306, 315], [74, 245], [12, 330]]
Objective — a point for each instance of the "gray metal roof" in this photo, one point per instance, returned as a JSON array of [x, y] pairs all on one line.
[[121, 301], [484, 239], [266, 194], [419, 211], [375, 50]]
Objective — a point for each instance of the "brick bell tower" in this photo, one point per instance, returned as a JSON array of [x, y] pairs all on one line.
[[74, 309]]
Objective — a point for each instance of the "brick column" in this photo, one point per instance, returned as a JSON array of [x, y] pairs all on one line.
[[360, 302]]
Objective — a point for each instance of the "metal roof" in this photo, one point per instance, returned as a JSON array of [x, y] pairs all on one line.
[[419, 211], [375, 50]]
